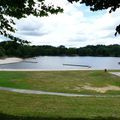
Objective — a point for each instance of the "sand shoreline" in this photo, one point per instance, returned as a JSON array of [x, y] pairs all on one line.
[[10, 60]]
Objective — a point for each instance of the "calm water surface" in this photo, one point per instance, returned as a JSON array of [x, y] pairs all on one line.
[[56, 63]]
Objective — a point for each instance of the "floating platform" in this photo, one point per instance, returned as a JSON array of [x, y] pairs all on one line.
[[77, 65]]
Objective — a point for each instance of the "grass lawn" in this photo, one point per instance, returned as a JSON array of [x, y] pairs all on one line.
[[60, 81], [16, 106]]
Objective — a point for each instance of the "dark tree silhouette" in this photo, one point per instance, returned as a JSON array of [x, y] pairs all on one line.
[[101, 5], [10, 9]]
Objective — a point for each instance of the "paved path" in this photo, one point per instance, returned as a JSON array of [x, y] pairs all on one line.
[[39, 92], [115, 73], [24, 91]]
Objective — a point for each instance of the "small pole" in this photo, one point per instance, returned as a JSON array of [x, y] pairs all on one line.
[[105, 70]]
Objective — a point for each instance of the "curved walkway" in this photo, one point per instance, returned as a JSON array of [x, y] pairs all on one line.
[[24, 91]]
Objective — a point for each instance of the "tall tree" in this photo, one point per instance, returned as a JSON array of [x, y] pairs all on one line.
[[101, 5], [10, 9]]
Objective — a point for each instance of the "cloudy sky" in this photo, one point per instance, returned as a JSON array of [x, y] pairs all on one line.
[[76, 27]]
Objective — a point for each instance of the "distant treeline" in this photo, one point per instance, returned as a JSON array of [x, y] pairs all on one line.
[[12, 48]]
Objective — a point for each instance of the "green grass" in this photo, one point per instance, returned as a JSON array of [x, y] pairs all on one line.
[[59, 81], [15, 106]]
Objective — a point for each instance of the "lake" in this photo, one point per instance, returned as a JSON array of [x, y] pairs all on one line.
[[56, 63]]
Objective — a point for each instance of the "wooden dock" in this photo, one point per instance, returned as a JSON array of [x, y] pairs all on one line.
[[77, 65]]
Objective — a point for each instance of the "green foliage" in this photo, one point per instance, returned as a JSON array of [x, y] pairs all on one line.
[[2, 52], [100, 50], [10, 9], [95, 5], [14, 48]]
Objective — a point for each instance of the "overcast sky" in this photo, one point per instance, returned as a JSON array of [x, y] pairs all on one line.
[[76, 27]]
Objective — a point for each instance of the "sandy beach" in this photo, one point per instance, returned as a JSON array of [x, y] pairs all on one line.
[[10, 60]]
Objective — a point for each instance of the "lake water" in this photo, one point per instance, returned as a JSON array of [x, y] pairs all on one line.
[[56, 63]]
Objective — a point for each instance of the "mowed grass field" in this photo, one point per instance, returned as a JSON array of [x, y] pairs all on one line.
[[16, 106], [60, 81]]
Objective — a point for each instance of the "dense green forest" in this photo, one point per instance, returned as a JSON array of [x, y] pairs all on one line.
[[13, 48]]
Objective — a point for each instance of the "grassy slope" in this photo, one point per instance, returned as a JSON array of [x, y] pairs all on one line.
[[14, 106], [59, 81], [35, 107]]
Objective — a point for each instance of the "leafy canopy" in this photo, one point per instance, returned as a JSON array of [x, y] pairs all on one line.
[[101, 5], [10, 9]]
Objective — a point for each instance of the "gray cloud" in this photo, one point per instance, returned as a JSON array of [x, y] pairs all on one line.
[[31, 26], [75, 27], [33, 33]]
